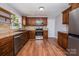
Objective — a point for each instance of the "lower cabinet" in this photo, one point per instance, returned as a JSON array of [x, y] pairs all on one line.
[[6, 46], [63, 39], [45, 34], [11, 45], [32, 35]]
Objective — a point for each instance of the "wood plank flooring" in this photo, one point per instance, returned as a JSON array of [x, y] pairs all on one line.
[[42, 48]]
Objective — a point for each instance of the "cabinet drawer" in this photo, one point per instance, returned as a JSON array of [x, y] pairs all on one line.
[[63, 39]]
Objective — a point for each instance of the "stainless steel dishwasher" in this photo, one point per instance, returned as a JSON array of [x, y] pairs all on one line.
[[17, 43]]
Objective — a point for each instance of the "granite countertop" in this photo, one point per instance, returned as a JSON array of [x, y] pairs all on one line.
[[6, 34], [63, 31]]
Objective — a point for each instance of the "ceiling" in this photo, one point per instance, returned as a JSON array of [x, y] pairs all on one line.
[[32, 9]]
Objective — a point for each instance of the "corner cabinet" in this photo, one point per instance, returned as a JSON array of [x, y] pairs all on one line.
[[63, 39]]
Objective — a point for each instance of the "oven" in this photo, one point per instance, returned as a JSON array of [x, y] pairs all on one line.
[[39, 33]]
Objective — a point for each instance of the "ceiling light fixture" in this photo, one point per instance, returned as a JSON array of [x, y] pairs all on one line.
[[41, 8]]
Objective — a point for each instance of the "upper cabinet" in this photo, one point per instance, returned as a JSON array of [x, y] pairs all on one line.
[[66, 16], [30, 21], [36, 21], [66, 12], [74, 5], [24, 20]]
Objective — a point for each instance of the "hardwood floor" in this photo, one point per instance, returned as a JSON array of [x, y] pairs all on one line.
[[42, 48]]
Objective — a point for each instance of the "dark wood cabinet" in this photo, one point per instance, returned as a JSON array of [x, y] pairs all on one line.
[[32, 34], [74, 5], [24, 38], [24, 20], [31, 21], [66, 12], [45, 34], [11, 45], [66, 15], [63, 39], [6, 46]]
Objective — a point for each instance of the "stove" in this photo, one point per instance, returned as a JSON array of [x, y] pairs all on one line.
[[39, 33]]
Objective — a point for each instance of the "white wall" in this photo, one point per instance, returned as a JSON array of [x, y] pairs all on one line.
[[51, 27], [59, 26], [7, 7]]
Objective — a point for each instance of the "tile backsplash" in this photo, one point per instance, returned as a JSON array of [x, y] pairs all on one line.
[[34, 27]]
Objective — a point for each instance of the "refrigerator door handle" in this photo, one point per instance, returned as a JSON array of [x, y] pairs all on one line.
[[73, 35]]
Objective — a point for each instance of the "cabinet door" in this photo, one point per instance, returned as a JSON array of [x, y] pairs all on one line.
[[32, 34], [28, 35], [45, 34], [65, 41], [60, 39], [6, 48], [31, 22], [66, 17], [24, 20], [45, 21]]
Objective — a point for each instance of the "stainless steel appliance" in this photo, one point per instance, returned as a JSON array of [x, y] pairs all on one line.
[[39, 33], [73, 41], [17, 42]]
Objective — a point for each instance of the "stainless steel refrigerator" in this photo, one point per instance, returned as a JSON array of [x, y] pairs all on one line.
[[73, 39]]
